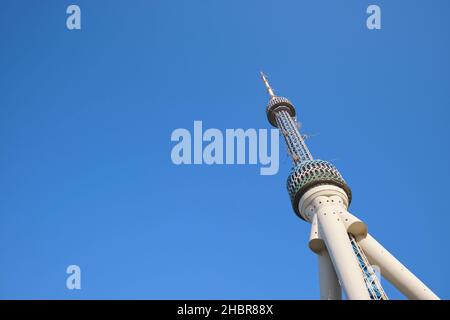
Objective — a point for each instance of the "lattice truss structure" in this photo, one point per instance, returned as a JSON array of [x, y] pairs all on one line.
[[347, 254]]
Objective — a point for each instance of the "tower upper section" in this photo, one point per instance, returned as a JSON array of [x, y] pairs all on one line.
[[276, 103], [306, 172], [281, 114]]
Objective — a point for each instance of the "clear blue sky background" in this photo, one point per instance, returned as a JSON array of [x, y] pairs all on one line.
[[86, 116]]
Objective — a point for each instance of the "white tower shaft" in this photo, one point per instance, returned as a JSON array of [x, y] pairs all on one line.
[[330, 288], [341, 252]]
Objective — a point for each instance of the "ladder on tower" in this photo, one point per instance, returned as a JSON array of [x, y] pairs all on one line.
[[373, 285]]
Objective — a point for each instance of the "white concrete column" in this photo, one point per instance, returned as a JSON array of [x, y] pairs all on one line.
[[394, 271], [340, 250], [330, 289], [354, 226]]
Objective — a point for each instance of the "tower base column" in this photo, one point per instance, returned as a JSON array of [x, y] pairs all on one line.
[[330, 289], [394, 271]]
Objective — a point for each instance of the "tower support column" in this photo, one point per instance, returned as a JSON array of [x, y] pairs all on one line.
[[394, 271], [330, 289], [341, 252]]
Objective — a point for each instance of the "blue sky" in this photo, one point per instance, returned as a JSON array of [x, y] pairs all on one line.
[[86, 116]]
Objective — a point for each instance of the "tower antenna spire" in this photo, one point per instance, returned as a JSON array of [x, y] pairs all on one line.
[[268, 87]]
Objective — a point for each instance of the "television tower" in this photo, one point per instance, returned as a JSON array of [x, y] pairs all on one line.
[[345, 250]]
